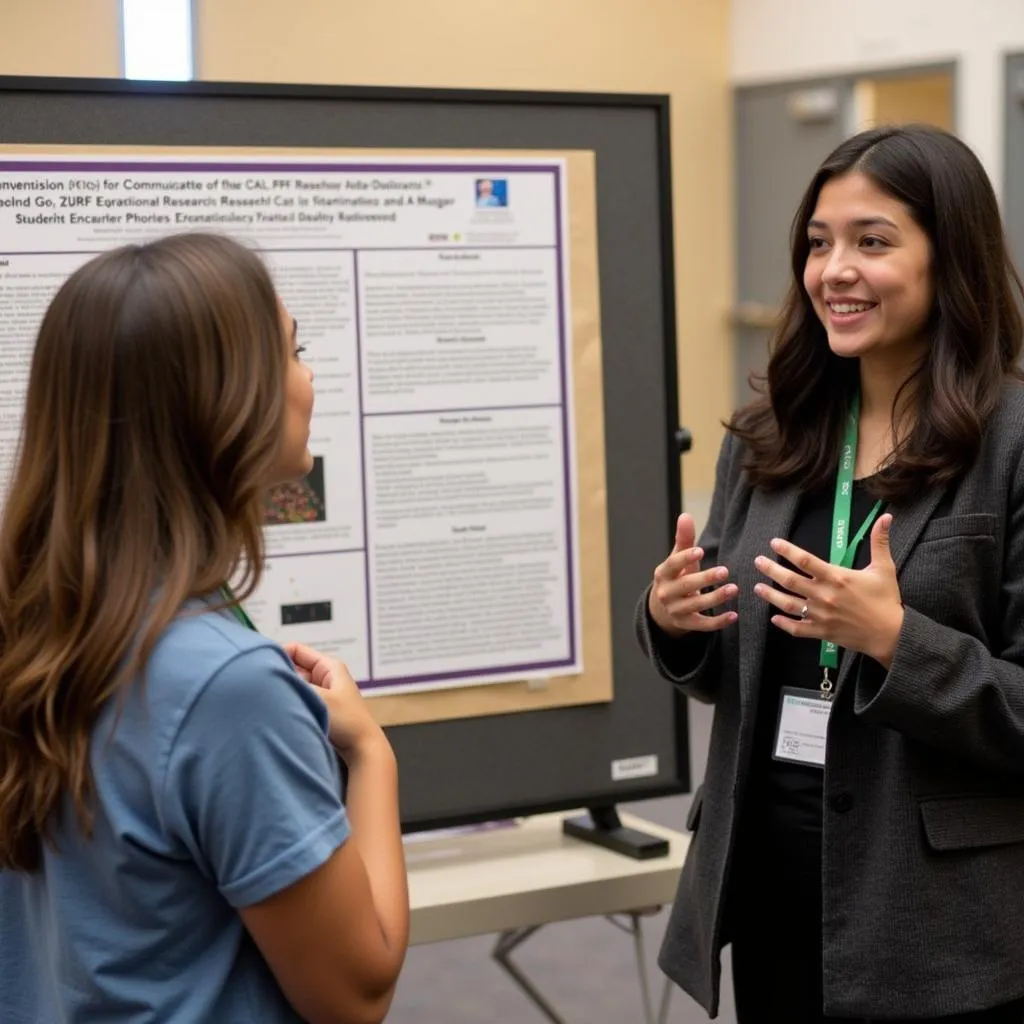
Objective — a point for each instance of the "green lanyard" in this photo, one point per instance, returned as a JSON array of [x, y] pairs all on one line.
[[840, 552], [236, 609]]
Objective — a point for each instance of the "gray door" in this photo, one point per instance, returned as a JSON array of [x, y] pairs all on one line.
[[1013, 171], [783, 132]]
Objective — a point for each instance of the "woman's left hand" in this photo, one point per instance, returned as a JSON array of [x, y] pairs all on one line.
[[859, 609]]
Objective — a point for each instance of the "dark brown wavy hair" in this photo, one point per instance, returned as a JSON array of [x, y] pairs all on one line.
[[152, 424], [793, 430]]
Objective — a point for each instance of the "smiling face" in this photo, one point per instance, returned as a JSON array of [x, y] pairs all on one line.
[[868, 272]]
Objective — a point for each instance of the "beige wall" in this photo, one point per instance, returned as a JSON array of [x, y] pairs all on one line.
[[678, 47], [74, 38]]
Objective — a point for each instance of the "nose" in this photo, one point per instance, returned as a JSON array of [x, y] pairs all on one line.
[[839, 269]]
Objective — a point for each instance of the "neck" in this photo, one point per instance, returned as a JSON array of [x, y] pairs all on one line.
[[883, 422], [880, 384]]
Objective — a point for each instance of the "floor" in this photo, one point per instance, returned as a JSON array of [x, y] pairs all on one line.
[[584, 968]]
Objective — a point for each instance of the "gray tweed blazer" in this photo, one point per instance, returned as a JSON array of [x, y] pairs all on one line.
[[923, 836]]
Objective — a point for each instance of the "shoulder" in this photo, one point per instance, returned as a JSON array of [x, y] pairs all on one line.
[[1008, 416], [750, 428], [207, 669], [731, 460], [994, 482], [242, 711], [201, 645], [230, 663], [1004, 432]]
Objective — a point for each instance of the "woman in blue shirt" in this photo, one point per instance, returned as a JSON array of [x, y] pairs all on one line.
[[173, 843]]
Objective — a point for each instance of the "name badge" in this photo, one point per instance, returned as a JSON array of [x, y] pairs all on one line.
[[803, 727]]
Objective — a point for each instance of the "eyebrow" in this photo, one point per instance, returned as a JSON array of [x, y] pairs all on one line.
[[295, 328], [861, 222]]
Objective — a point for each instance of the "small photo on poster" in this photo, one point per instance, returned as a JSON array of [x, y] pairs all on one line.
[[302, 501], [491, 192], [306, 612]]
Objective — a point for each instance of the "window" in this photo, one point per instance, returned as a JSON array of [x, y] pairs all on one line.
[[157, 39]]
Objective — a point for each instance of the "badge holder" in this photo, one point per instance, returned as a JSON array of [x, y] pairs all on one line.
[[802, 729]]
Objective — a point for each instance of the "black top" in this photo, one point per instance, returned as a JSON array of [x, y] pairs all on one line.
[[790, 795]]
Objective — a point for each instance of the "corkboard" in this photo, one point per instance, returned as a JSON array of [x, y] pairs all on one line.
[[594, 684]]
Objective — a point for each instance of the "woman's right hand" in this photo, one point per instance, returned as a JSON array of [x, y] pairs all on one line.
[[676, 601], [351, 724]]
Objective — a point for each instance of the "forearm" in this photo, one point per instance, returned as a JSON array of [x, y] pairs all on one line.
[[372, 805]]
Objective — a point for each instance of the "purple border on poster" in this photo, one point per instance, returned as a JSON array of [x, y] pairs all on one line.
[[84, 166]]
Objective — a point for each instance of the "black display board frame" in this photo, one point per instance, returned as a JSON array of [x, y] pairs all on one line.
[[480, 769]]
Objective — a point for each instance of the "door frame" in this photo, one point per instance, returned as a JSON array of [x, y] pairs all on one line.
[[850, 76], [1008, 115]]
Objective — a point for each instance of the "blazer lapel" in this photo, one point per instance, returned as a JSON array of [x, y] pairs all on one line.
[[908, 520], [770, 515]]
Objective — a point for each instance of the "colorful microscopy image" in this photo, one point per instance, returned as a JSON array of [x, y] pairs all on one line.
[[299, 502]]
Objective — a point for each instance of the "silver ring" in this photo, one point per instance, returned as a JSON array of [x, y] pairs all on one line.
[[803, 613]]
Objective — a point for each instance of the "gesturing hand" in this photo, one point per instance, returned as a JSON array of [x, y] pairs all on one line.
[[676, 601], [859, 609]]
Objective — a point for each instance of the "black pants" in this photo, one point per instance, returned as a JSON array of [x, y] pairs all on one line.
[[776, 930], [775, 924]]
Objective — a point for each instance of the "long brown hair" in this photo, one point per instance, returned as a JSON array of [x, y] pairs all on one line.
[[793, 430], [153, 419]]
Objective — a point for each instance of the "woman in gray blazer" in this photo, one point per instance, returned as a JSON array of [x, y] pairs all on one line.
[[855, 612]]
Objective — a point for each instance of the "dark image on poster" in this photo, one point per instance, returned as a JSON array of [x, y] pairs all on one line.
[[300, 614]]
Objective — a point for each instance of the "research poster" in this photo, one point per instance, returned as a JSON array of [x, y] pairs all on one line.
[[436, 544]]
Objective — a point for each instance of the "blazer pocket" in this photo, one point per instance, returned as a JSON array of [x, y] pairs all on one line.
[[970, 822], [693, 815], [972, 524]]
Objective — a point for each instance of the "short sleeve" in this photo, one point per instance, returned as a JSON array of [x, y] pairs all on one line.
[[252, 787]]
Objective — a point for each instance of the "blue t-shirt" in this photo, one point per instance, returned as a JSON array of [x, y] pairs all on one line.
[[215, 787]]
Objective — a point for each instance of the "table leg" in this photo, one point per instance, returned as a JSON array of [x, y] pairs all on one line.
[[503, 949], [635, 929], [666, 995], [509, 941]]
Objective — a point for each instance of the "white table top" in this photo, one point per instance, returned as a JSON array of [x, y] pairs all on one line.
[[530, 873]]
